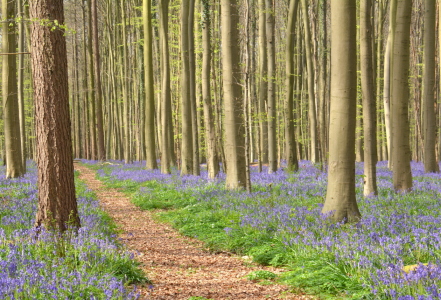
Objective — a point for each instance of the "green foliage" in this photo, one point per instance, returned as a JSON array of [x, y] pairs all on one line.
[[261, 275], [198, 298]]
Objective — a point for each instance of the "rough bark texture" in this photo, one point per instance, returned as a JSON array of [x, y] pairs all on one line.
[[14, 166], [429, 120], [210, 132], [340, 198], [187, 133], [368, 94], [290, 146], [57, 206], [401, 156], [234, 123], [149, 88]]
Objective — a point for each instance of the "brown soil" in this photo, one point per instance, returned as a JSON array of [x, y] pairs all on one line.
[[178, 266]]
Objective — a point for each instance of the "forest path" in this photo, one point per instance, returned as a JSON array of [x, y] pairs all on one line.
[[178, 265]]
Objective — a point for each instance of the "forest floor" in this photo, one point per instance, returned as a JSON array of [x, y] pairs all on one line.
[[178, 266]]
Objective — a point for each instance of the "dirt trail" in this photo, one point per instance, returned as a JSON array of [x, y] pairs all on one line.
[[177, 265]]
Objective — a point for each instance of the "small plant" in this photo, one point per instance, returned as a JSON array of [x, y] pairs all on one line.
[[261, 275], [198, 298]]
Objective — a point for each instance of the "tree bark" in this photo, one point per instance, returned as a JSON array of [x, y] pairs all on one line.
[[340, 201], [290, 146], [57, 206], [234, 123], [263, 85], [149, 88], [11, 116], [401, 155], [430, 162], [210, 133], [369, 103]]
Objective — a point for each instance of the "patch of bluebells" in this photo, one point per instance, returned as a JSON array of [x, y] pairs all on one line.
[[52, 266], [396, 229]]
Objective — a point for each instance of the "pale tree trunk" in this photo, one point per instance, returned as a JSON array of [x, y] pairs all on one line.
[[430, 162], [369, 105], [263, 85], [187, 133], [311, 96], [271, 52], [92, 109], [98, 89], [401, 156], [166, 108], [234, 123], [340, 197], [290, 146], [21, 103], [192, 75], [11, 116], [57, 205], [149, 88], [210, 133], [126, 104], [323, 108]]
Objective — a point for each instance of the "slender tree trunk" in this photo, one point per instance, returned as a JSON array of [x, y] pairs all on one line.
[[21, 103], [402, 175], [210, 133], [263, 85], [271, 52], [11, 113], [369, 105], [92, 98], [234, 123], [187, 133], [57, 206], [98, 89], [290, 147], [149, 88], [124, 73], [340, 197], [311, 95], [430, 162]]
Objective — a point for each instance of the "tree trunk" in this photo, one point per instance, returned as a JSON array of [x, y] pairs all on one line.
[[340, 198], [210, 133], [290, 147], [401, 156], [101, 151], [21, 103], [57, 206], [430, 162], [271, 78], [149, 88], [311, 96], [187, 133], [369, 103], [263, 85], [11, 116], [234, 123]]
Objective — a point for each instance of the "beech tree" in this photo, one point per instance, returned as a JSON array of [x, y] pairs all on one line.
[[14, 163], [57, 205], [340, 196], [233, 102]]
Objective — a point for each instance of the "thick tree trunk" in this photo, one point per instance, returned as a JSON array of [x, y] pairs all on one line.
[[57, 206], [11, 115], [401, 156], [430, 162], [369, 105], [234, 123], [149, 88], [340, 197], [290, 146], [21, 102]]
